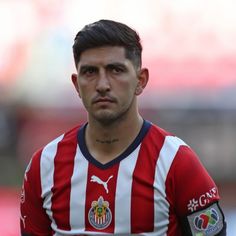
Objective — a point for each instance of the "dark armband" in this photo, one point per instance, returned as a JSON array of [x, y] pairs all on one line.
[[209, 221]]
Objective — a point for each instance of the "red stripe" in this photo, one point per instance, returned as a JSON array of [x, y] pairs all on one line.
[[187, 163], [32, 202], [95, 190], [63, 170], [142, 202]]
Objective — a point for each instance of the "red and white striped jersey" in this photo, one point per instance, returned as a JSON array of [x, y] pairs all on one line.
[[150, 189]]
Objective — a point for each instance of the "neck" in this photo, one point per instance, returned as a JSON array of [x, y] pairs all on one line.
[[105, 142], [113, 131]]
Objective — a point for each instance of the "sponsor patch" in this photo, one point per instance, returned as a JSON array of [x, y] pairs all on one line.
[[203, 200], [207, 222], [99, 215]]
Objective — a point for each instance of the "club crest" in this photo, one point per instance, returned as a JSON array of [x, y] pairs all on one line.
[[99, 215]]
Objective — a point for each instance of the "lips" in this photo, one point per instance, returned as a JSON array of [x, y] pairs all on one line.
[[103, 100]]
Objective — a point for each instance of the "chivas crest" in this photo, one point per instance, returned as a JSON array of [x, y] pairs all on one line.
[[99, 215]]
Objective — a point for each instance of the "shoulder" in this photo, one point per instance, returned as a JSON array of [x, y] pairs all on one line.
[[156, 130], [42, 161], [49, 151], [179, 164], [190, 181], [69, 136], [165, 141], [155, 136]]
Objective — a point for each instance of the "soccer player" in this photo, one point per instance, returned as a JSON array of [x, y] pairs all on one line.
[[116, 174]]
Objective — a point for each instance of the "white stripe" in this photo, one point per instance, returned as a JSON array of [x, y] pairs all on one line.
[[166, 157], [46, 174], [78, 192], [123, 193], [81, 232]]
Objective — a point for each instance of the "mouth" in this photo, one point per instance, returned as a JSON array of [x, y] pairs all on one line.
[[103, 100]]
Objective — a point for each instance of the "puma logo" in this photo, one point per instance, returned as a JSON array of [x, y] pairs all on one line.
[[96, 179]]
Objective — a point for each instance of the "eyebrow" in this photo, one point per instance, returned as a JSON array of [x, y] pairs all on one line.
[[116, 64], [109, 65]]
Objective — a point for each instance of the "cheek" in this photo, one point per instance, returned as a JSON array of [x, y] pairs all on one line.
[[83, 89], [126, 95], [127, 86], [86, 101], [84, 94]]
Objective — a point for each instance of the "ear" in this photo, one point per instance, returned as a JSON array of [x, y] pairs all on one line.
[[74, 78], [143, 77]]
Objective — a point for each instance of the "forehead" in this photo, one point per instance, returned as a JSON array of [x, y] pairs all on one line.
[[103, 55]]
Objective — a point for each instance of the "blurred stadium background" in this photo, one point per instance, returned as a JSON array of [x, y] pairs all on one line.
[[189, 48]]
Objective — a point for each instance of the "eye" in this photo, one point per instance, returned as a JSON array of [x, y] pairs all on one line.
[[116, 69], [88, 71]]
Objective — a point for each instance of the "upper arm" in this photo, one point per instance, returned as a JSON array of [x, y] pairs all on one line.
[[194, 195], [33, 220]]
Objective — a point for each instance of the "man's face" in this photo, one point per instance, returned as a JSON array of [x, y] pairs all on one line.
[[106, 82]]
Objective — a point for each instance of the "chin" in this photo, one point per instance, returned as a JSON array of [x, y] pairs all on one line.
[[106, 117], [109, 116]]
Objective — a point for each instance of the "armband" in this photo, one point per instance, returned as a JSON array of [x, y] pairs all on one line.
[[209, 221]]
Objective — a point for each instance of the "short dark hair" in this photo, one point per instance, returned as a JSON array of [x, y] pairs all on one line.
[[109, 33]]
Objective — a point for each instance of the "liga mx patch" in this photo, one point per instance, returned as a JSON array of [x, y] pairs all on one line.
[[207, 222], [99, 215]]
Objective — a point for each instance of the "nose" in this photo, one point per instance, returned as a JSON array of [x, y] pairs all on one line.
[[103, 83]]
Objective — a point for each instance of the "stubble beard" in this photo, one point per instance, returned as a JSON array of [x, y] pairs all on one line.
[[109, 117]]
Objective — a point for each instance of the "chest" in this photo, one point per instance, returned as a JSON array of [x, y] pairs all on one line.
[[121, 199]]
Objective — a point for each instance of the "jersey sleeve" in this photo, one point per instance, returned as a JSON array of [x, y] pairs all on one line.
[[194, 196], [33, 220]]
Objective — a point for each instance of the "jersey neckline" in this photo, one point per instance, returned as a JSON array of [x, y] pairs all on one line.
[[83, 147]]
